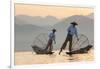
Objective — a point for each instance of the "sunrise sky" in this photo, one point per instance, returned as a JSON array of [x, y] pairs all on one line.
[[57, 11]]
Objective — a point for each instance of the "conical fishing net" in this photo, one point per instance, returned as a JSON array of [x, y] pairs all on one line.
[[42, 39], [81, 43]]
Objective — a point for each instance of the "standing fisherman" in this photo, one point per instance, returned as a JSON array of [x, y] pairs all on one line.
[[72, 30], [50, 41]]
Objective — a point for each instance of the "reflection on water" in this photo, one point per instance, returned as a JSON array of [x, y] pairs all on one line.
[[73, 58], [24, 58]]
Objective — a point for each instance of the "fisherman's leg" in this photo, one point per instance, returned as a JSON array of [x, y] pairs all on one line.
[[50, 48], [64, 45], [70, 44], [70, 48], [60, 51], [48, 44]]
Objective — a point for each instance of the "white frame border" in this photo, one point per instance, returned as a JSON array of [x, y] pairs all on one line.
[[12, 4]]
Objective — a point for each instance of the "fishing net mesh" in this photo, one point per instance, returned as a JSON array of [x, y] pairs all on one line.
[[42, 39], [81, 43]]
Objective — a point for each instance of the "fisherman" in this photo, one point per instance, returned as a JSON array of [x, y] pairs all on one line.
[[72, 30], [50, 41]]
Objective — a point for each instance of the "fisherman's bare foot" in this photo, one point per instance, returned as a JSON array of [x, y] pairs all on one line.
[[69, 53], [59, 53]]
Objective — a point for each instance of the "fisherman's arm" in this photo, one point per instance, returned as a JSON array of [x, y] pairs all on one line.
[[76, 34]]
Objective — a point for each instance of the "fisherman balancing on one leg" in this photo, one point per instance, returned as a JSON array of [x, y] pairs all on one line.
[[50, 41], [72, 30]]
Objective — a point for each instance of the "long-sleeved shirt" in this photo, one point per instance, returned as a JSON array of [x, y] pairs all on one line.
[[72, 30], [52, 36]]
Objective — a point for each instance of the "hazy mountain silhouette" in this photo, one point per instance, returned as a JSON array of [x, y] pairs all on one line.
[[35, 20], [83, 22], [27, 28]]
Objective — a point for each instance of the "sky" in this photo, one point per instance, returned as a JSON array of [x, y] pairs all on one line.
[[56, 11]]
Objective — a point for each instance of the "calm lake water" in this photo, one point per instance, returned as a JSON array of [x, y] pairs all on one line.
[[27, 58]]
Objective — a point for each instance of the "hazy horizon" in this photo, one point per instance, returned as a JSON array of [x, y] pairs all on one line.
[[56, 20], [43, 11]]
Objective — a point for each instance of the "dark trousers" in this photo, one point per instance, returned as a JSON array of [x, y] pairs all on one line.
[[49, 45], [68, 39]]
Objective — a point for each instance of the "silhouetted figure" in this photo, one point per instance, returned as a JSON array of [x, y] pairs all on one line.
[[50, 41], [72, 30]]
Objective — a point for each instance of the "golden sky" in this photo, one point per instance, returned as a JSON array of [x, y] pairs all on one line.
[[58, 12]]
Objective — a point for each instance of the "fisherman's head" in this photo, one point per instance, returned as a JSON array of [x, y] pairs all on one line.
[[74, 23], [53, 30]]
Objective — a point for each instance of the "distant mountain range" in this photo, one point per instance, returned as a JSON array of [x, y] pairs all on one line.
[[84, 23], [36, 20], [28, 27], [91, 16]]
